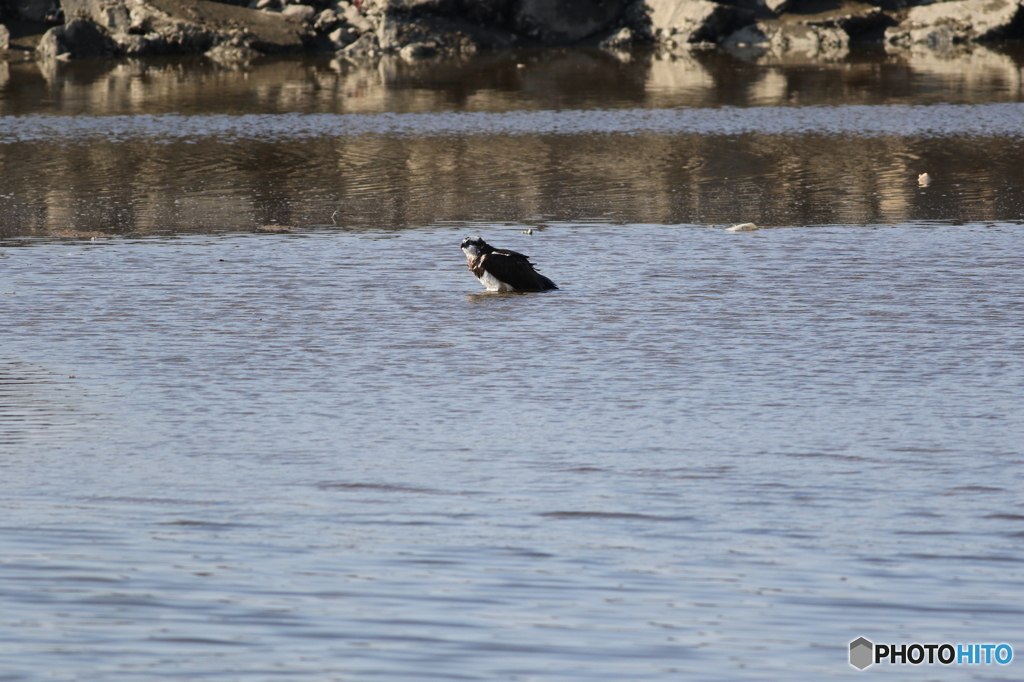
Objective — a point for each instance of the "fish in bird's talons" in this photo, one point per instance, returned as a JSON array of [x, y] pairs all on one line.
[[502, 270]]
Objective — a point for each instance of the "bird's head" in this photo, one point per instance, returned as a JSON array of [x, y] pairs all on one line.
[[475, 247]]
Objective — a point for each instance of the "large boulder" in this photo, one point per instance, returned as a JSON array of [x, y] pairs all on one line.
[[696, 21], [269, 32], [946, 23], [304, 13], [35, 10], [77, 38], [562, 22]]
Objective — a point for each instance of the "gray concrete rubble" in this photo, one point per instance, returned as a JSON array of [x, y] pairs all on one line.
[[423, 29], [944, 24], [779, 39], [696, 21]]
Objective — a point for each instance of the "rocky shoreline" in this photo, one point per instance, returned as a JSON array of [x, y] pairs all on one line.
[[239, 30]]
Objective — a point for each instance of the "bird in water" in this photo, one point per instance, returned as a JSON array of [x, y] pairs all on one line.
[[503, 270]]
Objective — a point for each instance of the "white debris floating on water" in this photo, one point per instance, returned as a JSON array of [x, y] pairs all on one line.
[[924, 179], [742, 227]]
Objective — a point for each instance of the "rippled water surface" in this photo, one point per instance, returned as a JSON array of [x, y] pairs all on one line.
[[233, 451]]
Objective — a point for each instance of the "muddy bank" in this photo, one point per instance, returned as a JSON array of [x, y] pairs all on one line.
[[238, 30]]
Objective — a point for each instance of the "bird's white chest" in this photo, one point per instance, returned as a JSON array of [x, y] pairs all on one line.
[[492, 283]]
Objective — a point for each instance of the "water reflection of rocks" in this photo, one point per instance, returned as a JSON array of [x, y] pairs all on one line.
[[514, 80], [138, 185]]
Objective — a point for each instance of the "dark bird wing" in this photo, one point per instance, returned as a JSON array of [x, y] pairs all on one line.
[[515, 270]]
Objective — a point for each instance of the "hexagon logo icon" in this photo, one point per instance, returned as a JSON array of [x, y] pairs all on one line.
[[862, 653]]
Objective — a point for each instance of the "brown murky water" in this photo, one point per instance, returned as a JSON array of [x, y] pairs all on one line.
[[232, 450]]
